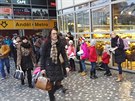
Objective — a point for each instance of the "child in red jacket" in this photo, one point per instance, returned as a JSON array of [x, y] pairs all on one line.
[[105, 60], [93, 59]]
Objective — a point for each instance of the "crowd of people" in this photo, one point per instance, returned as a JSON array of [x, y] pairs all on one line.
[[30, 52]]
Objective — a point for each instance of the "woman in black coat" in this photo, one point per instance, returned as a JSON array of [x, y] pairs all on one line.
[[50, 62], [119, 52]]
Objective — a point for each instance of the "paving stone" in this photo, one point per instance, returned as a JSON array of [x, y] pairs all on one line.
[[80, 88]]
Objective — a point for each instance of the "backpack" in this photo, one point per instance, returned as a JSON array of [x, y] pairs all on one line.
[[125, 42]]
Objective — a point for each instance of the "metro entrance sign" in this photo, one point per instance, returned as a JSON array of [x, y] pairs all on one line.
[[26, 24]]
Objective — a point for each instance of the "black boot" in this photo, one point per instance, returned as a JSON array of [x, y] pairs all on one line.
[[22, 82], [95, 76], [91, 75], [51, 95]]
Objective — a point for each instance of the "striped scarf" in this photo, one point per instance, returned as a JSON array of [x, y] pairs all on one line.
[[54, 52]]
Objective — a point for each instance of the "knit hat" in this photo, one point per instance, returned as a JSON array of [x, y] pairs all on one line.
[[81, 39], [70, 42], [93, 42]]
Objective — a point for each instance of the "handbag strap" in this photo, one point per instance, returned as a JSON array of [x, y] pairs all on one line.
[[19, 67]]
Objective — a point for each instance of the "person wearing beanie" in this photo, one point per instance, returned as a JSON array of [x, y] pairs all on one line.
[[105, 60], [71, 55], [93, 59], [83, 56]]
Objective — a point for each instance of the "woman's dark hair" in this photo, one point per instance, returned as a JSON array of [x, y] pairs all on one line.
[[24, 37], [54, 28], [69, 33]]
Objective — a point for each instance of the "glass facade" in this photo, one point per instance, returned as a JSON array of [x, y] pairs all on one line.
[[100, 19], [96, 19], [124, 16]]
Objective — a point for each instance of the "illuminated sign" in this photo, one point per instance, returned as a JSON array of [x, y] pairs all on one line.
[[27, 24], [53, 4], [22, 11], [5, 10], [21, 1]]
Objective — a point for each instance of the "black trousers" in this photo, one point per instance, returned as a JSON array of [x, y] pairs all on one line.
[[55, 86], [64, 69], [29, 76], [107, 69], [72, 64]]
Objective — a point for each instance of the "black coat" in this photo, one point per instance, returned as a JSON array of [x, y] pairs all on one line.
[[53, 71], [120, 55]]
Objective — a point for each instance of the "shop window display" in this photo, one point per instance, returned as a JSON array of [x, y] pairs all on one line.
[[100, 19], [124, 16], [82, 21], [68, 23], [60, 23]]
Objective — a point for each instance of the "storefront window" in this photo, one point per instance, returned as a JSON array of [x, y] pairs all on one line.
[[124, 15], [5, 1], [100, 19], [22, 11], [39, 2], [83, 21], [60, 23], [69, 23], [6, 12], [39, 13], [67, 3], [69, 10]]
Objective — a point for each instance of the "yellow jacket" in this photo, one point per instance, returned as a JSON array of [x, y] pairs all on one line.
[[4, 51]]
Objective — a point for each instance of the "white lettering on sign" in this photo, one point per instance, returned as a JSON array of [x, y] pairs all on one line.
[[21, 1]]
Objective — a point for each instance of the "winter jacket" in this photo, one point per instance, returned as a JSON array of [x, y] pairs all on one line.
[[92, 54], [105, 57], [85, 51], [119, 55], [71, 51], [53, 71], [25, 57], [4, 51]]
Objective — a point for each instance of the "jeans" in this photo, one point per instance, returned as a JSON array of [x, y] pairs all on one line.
[[119, 68], [93, 66], [83, 65], [4, 61], [80, 66]]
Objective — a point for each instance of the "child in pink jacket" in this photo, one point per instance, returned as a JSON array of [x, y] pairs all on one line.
[[84, 56], [71, 55]]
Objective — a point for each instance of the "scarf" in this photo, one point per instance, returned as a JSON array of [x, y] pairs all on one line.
[[25, 45], [54, 52]]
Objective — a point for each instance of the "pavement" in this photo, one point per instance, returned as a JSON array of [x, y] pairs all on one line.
[[80, 88]]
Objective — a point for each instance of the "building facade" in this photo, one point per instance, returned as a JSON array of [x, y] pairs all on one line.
[[26, 16], [96, 19]]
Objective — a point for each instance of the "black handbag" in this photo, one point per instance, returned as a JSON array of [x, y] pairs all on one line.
[[19, 74]]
